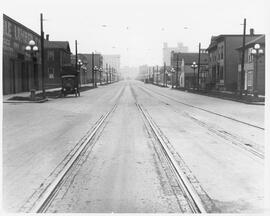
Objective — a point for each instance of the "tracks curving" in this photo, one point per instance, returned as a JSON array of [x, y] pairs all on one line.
[[199, 108], [236, 140]]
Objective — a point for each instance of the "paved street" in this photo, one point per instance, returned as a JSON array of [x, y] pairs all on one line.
[[217, 144]]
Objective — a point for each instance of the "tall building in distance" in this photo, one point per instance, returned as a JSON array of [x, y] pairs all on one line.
[[112, 61], [167, 51]]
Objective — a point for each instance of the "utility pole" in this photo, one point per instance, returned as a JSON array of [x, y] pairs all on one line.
[[242, 77], [42, 55], [157, 76], [199, 66], [164, 74], [107, 73], [177, 68], [76, 57], [110, 74], [153, 74], [93, 70]]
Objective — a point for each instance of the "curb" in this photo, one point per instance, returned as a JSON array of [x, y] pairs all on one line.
[[224, 98], [21, 101]]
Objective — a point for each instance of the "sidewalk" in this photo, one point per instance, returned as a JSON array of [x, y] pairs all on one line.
[[52, 90], [225, 95]]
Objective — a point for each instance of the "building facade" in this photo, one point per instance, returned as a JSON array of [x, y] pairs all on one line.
[[113, 62], [223, 60], [57, 57], [167, 52], [89, 62], [187, 77], [21, 71], [250, 66]]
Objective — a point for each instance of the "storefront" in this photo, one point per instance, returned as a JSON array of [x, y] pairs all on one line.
[[21, 71]]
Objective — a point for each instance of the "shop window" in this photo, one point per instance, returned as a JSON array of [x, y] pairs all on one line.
[[221, 72], [51, 73], [51, 55], [250, 78]]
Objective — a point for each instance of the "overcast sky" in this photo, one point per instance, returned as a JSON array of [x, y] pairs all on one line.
[[137, 29]]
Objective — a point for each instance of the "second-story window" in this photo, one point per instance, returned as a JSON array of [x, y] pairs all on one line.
[[221, 52], [250, 58], [50, 55]]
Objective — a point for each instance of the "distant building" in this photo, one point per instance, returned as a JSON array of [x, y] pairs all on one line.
[[143, 73], [87, 60], [167, 52], [21, 72], [250, 65], [223, 60], [187, 78], [129, 72], [112, 63]]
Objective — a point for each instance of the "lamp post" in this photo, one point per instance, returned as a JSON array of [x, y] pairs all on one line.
[[78, 66], [172, 72], [42, 55], [100, 71], [164, 75], [177, 69], [93, 71], [256, 52], [107, 73], [194, 66], [32, 49], [96, 69]]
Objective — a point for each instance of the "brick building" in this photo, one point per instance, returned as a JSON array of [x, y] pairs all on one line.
[[20, 71], [186, 76], [250, 65], [223, 60], [57, 56], [87, 60]]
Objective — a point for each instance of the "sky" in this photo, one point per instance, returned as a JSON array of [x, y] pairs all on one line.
[[136, 29]]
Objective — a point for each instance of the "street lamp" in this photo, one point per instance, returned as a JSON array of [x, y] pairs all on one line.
[[96, 69], [79, 63], [172, 72], [166, 74], [256, 52], [100, 71], [194, 66], [32, 49]]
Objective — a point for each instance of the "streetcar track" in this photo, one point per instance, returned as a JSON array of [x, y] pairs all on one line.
[[233, 139], [206, 110], [194, 201], [192, 197], [229, 137], [41, 199]]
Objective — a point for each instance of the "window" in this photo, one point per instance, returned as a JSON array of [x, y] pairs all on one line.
[[250, 57], [50, 55], [221, 72], [51, 73], [250, 78], [221, 52]]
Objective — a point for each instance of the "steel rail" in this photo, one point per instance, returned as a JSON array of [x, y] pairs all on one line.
[[47, 195], [234, 141], [205, 110], [193, 199]]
